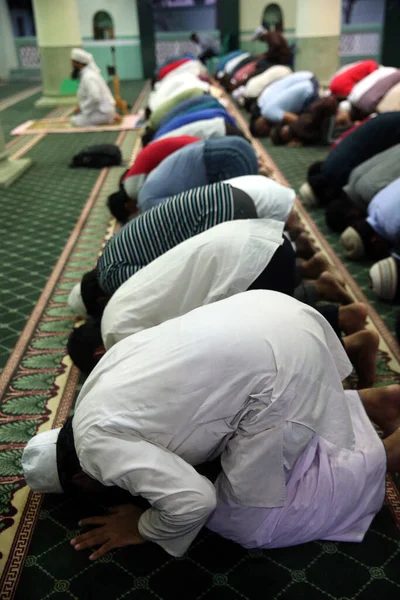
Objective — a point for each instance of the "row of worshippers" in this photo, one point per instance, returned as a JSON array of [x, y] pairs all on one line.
[[358, 184], [216, 350], [292, 108]]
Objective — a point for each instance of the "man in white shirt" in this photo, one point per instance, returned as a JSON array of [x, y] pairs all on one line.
[[235, 379], [96, 102]]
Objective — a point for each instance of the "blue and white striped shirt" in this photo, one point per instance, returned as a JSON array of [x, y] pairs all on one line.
[[163, 227]]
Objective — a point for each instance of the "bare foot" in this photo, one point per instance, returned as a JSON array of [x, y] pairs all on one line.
[[362, 348], [331, 290], [382, 405], [352, 318], [293, 224], [304, 246], [265, 171], [315, 266]]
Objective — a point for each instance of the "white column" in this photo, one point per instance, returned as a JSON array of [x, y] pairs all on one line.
[[318, 26], [10, 169], [8, 54], [57, 31]]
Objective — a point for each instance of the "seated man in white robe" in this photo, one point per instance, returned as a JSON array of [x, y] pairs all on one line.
[[268, 399], [96, 104]]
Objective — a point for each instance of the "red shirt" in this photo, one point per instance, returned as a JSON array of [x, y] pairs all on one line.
[[242, 75], [149, 158], [342, 84], [171, 67]]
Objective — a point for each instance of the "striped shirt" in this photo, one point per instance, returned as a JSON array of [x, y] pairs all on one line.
[[163, 227]]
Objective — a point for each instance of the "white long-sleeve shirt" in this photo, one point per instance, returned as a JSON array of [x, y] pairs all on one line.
[[366, 84], [94, 94], [173, 85], [213, 265], [271, 199], [224, 380]]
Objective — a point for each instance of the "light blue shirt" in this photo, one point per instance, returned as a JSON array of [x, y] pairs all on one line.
[[181, 171], [289, 94], [384, 213]]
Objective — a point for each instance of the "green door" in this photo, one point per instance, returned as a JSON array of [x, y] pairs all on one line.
[[228, 23], [147, 38]]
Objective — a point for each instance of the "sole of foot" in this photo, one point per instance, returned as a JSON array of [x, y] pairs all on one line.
[[304, 246], [352, 318], [331, 290], [318, 264], [362, 348]]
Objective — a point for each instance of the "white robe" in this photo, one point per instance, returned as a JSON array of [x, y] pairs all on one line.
[[213, 265], [96, 102], [271, 199], [366, 84], [172, 86], [257, 84], [225, 379]]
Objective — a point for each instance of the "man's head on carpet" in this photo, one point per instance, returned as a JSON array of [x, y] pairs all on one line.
[[51, 466], [280, 135], [87, 297], [121, 206], [85, 346], [260, 127]]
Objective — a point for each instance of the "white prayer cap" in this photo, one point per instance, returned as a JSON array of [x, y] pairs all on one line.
[[75, 301], [384, 278], [259, 31], [307, 195], [345, 106], [39, 463], [352, 244], [81, 56]]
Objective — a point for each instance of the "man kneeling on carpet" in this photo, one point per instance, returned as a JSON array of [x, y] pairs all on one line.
[[299, 461], [96, 102]]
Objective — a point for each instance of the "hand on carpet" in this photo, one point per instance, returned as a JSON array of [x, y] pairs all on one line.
[[111, 531]]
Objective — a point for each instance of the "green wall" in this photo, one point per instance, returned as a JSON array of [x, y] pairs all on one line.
[[127, 54]]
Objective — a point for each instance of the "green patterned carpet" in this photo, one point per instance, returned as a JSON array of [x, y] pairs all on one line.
[[19, 113], [213, 569], [38, 213], [15, 87]]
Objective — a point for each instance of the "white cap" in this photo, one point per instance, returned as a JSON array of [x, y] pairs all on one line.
[[259, 31], [39, 463], [344, 106], [307, 195], [75, 301], [384, 279], [81, 56], [352, 244]]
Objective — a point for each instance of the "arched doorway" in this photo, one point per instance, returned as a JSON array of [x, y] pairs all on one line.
[[272, 18], [103, 26]]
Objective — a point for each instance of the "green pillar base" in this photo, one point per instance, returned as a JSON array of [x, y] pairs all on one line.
[[10, 170], [319, 55], [51, 101]]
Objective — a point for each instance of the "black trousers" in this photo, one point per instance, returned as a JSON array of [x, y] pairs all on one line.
[[280, 274], [243, 205]]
